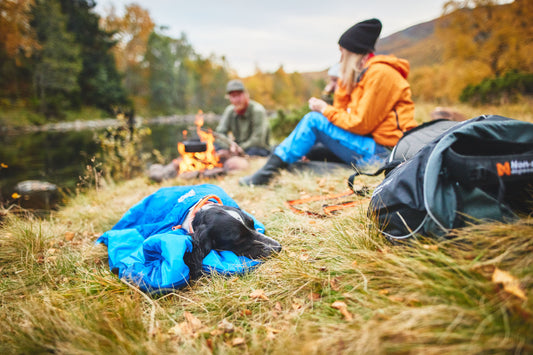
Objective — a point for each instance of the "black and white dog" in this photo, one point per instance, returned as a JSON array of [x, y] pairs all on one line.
[[219, 227]]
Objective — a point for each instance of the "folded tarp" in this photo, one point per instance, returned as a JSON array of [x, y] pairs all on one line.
[[145, 249]]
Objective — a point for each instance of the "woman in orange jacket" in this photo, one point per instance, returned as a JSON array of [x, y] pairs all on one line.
[[372, 108]]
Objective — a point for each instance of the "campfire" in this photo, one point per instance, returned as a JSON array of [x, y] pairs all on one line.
[[199, 156]]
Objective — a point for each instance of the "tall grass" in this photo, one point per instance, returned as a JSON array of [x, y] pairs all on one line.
[[426, 296]]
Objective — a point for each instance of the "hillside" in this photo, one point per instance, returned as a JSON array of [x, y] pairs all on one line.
[[417, 44]]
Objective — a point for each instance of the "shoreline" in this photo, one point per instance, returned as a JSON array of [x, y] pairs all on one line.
[[80, 125]]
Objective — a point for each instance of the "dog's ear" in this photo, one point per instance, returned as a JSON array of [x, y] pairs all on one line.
[[201, 246], [201, 239]]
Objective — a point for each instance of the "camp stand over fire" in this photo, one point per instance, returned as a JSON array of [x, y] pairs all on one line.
[[199, 157]]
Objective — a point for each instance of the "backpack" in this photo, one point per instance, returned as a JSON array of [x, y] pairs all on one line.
[[476, 170], [410, 143]]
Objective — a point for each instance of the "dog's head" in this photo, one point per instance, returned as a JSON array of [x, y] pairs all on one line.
[[228, 228]]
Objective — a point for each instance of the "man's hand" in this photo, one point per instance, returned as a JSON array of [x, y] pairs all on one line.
[[317, 104], [235, 149]]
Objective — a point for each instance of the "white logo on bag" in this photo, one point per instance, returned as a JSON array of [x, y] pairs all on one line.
[[187, 195]]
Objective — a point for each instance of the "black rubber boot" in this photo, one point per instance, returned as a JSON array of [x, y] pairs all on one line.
[[266, 173]]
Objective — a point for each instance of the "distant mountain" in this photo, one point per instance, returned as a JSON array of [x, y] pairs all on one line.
[[418, 44]]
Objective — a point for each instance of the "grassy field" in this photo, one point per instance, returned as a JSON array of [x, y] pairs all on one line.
[[338, 287]]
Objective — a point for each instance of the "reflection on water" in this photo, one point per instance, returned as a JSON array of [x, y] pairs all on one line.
[[61, 157]]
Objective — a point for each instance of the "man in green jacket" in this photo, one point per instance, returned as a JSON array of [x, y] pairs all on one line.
[[246, 120]]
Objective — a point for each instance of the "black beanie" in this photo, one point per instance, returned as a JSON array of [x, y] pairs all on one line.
[[361, 37]]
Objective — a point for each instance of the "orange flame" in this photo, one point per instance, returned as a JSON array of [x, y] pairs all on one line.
[[199, 161]]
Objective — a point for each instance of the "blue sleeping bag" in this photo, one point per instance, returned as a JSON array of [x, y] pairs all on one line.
[[145, 250]]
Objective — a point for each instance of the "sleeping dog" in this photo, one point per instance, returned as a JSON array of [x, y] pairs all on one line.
[[165, 240], [219, 227]]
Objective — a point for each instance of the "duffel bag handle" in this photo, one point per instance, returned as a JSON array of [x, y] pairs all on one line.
[[482, 162]]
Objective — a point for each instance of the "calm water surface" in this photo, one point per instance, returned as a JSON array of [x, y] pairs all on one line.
[[61, 157]]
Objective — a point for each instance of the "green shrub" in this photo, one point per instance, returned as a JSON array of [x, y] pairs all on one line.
[[283, 124], [122, 154], [499, 90]]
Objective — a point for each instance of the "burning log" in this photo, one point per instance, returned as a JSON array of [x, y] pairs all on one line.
[[199, 156]]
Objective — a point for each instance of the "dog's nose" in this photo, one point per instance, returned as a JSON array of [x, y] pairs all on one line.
[[276, 248]]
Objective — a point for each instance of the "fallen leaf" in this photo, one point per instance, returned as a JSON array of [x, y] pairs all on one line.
[[209, 343], [259, 294], [191, 326], [334, 283], [341, 306], [273, 330], [69, 236], [396, 298], [246, 312], [313, 296], [510, 283], [225, 326], [297, 303], [430, 247], [238, 341]]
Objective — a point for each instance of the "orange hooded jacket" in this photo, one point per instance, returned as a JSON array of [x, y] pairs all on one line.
[[380, 105]]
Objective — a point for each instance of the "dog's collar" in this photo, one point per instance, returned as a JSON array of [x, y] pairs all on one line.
[[194, 209]]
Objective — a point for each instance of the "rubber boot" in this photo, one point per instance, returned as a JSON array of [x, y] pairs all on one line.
[[266, 173]]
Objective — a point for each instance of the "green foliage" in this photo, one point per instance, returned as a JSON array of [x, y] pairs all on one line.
[[99, 80], [500, 90], [122, 156], [162, 59], [283, 124], [58, 63]]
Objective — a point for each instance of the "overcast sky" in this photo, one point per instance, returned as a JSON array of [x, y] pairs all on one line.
[[300, 35]]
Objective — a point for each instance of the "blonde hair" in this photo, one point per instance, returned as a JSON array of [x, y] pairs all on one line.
[[351, 65]]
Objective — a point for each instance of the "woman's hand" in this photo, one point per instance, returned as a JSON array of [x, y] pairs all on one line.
[[317, 104]]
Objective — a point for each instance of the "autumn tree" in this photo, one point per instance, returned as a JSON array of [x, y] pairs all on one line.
[[17, 43], [16, 34], [282, 90], [261, 86], [209, 79], [499, 38], [131, 32]]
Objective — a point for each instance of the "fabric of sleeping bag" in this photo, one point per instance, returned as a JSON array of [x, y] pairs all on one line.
[[144, 249]]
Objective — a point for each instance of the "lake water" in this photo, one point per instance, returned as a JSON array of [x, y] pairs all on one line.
[[61, 157]]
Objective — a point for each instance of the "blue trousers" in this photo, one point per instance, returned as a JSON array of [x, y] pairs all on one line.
[[315, 127]]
